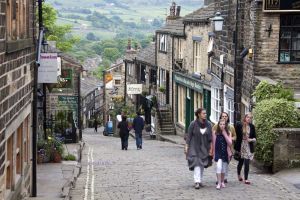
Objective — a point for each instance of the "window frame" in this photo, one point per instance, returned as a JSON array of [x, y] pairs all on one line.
[[215, 100], [181, 101], [163, 43], [197, 51], [291, 28]]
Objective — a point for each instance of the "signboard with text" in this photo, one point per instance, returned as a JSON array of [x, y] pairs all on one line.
[[134, 89], [190, 83], [47, 71], [281, 5]]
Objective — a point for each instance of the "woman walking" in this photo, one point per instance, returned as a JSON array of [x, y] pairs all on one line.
[[124, 132], [231, 129], [222, 142], [244, 146], [198, 146]]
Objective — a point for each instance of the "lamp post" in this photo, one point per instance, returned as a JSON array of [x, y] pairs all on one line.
[[218, 25]]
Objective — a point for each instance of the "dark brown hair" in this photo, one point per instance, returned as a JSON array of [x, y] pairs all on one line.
[[198, 111], [219, 131]]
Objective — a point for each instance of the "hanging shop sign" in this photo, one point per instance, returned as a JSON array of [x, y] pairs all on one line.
[[134, 88], [47, 71], [190, 83], [281, 5]]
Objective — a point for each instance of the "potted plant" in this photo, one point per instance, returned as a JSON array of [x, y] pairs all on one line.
[[162, 89]]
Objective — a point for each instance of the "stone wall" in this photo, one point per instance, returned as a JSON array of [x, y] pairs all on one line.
[[287, 149], [16, 69]]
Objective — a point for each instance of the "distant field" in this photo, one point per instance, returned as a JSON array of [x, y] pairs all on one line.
[[133, 14]]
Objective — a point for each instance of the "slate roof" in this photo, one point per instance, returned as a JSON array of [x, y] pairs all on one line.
[[200, 15], [147, 55], [89, 84], [174, 27]]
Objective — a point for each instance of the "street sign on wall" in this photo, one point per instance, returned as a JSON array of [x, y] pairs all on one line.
[[134, 89], [47, 71]]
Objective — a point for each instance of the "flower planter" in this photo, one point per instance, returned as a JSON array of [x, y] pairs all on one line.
[[56, 157]]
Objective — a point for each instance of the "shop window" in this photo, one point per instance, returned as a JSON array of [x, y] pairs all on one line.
[[181, 105], [197, 100], [215, 105], [289, 44], [153, 76]]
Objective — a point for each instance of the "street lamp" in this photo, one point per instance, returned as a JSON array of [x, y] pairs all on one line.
[[218, 21]]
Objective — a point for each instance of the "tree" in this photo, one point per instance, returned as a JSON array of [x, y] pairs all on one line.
[[59, 33], [91, 36], [111, 54]]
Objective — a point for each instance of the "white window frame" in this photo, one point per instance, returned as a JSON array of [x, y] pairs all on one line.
[[215, 104], [181, 105], [162, 78], [180, 50], [197, 56], [229, 108], [163, 43]]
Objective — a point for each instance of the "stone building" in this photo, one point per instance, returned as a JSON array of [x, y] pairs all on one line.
[[192, 83], [62, 100], [92, 100], [258, 42], [167, 41], [17, 61], [114, 86]]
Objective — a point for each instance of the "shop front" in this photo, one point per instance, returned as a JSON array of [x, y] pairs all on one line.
[[191, 94]]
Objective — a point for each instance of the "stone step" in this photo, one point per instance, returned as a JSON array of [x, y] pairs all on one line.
[[171, 132]]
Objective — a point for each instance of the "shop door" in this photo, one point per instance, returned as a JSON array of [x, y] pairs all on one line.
[[189, 108]]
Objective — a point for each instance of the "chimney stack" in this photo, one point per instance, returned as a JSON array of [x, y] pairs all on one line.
[[173, 9], [129, 44], [178, 11]]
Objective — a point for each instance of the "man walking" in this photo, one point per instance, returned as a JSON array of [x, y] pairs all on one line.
[[138, 126], [95, 125]]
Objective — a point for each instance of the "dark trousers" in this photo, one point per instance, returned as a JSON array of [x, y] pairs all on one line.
[[124, 142], [246, 163], [95, 128]]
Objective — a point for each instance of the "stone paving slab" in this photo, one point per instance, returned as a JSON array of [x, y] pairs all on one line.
[[159, 171]]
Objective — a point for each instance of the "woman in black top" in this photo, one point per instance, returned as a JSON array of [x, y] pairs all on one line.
[[124, 132], [244, 145]]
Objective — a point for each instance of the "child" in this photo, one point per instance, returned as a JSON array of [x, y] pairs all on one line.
[[222, 142]]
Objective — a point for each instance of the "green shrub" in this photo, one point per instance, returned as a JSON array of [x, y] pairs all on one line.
[[70, 157], [264, 90], [269, 114]]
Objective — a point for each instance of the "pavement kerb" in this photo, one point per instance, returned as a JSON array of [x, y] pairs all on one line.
[[69, 184]]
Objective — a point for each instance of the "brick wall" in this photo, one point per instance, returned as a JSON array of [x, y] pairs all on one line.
[[16, 69], [286, 149]]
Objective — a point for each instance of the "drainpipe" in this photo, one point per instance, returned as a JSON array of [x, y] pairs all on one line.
[[34, 103], [236, 106]]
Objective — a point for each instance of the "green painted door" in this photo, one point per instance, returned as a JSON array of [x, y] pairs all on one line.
[[206, 102], [189, 108]]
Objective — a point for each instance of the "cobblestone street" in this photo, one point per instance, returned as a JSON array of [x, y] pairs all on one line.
[[159, 171]]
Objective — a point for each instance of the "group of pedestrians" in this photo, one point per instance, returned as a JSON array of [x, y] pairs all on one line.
[[138, 126], [219, 143]]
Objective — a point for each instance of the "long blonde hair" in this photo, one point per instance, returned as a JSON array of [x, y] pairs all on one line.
[[245, 124]]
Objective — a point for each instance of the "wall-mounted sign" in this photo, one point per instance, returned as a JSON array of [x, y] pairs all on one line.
[[281, 5], [134, 89], [47, 71], [190, 83], [69, 102]]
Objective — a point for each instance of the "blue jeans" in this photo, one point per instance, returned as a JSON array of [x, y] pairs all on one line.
[[138, 139]]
